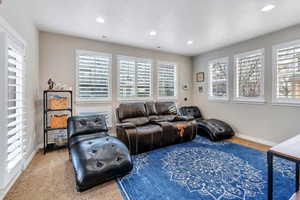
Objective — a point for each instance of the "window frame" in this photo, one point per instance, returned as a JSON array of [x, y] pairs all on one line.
[[275, 100], [251, 100], [7, 34], [165, 98], [79, 52], [135, 98], [215, 98]]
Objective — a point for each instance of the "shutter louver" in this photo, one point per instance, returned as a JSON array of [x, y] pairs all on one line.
[[288, 72], [93, 76], [143, 79], [218, 81], [134, 78], [15, 106], [249, 75], [127, 78], [167, 80]]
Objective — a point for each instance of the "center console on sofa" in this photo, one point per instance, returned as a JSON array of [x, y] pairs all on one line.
[[147, 126]]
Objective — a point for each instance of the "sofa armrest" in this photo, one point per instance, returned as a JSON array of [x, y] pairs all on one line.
[[70, 129], [184, 118], [126, 125]]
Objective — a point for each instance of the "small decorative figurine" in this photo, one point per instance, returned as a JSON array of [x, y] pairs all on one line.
[[50, 84], [200, 77]]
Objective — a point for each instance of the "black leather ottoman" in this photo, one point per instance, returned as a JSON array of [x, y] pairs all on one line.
[[214, 129], [96, 157]]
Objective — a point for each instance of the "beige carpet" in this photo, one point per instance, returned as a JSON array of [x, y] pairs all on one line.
[[51, 177]]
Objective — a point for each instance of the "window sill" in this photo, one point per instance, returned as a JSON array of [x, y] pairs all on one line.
[[93, 101], [286, 104], [224, 100], [134, 99], [249, 101], [167, 98]]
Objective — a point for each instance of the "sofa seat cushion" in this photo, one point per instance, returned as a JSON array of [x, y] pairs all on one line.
[[138, 121], [97, 160], [168, 118], [79, 138]]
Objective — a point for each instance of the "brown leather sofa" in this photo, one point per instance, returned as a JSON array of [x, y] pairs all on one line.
[[147, 126]]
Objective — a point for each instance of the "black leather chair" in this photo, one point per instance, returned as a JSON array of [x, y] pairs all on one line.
[[147, 126], [96, 156], [214, 129]]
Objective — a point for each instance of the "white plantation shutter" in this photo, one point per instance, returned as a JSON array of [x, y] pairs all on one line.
[[249, 76], [126, 78], [167, 80], [12, 104], [93, 76], [287, 72], [218, 79], [15, 104], [143, 77], [134, 78]]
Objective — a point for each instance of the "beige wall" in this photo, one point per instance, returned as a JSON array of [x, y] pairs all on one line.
[[17, 14], [57, 60], [263, 122]]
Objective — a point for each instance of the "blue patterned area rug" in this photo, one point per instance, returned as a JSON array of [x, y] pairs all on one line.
[[208, 171]]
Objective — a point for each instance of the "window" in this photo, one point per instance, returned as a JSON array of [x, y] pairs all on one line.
[[12, 106], [15, 103], [167, 80], [249, 76], [135, 78], [286, 71], [218, 79], [93, 76]]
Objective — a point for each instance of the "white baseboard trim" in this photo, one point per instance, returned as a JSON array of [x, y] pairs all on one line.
[[7, 188], [29, 159], [40, 146], [26, 163], [256, 139]]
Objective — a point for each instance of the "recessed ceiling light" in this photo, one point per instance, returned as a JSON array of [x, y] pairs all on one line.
[[268, 8], [153, 33], [190, 42], [100, 20]]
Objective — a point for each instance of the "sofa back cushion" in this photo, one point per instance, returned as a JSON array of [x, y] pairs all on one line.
[[131, 110], [138, 121], [166, 108], [150, 107]]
